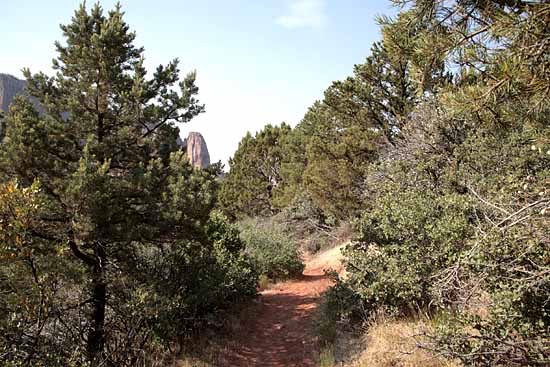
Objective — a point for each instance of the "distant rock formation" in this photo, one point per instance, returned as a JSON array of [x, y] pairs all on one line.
[[194, 144], [197, 151], [10, 87]]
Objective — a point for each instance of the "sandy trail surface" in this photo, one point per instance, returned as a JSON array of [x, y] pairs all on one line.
[[279, 328]]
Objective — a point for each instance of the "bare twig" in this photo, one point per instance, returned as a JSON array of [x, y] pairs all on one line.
[[487, 202]]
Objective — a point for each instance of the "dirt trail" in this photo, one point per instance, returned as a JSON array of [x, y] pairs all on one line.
[[279, 329]]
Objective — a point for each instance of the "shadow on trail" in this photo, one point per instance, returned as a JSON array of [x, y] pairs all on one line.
[[279, 330]]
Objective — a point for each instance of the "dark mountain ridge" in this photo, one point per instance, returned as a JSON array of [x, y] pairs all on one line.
[[10, 87]]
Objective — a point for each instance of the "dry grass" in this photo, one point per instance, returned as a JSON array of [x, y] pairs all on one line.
[[329, 259], [263, 282], [395, 343], [326, 358], [191, 363]]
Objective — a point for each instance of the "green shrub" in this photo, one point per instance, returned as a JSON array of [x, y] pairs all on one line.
[[274, 253], [201, 281], [340, 305], [469, 237], [404, 241]]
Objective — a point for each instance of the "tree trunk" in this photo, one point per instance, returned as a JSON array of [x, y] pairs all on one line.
[[96, 334]]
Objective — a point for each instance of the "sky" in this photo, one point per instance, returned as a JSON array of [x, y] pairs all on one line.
[[257, 61]]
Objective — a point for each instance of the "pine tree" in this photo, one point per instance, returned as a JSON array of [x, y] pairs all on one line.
[[112, 181], [255, 173], [359, 118], [294, 160]]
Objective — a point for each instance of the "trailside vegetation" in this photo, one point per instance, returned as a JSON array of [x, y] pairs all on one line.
[[275, 253], [437, 148], [109, 247], [255, 174]]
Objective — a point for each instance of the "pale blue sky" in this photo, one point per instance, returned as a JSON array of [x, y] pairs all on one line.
[[257, 61]]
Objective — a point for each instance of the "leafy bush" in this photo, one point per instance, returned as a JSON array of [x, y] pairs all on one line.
[[273, 251], [240, 277], [508, 261], [470, 240], [341, 306], [403, 242], [176, 292], [201, 281]]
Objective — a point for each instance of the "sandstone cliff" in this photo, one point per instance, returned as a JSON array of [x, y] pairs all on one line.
[[197, 151]]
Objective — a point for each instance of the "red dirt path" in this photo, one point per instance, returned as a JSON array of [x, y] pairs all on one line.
[[279, 328]]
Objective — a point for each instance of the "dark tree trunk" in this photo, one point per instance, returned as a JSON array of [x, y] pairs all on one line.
[[96, 335]]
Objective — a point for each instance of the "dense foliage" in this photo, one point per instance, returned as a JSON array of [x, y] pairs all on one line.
[[274, 252], [457, 218], [438, 149], [108, 244], [255, 174]]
